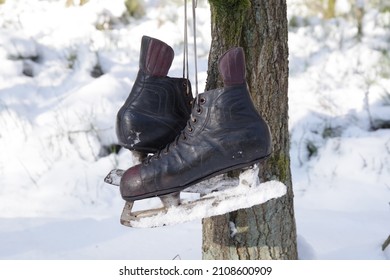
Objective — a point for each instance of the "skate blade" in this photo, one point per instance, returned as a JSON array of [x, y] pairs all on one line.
[[114, 177], [213, 204], [246, 185], [129, 218], [222, 182], [172, 199]]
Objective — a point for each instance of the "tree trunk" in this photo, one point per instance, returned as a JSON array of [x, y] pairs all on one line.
[[330, 9], [265, 231]]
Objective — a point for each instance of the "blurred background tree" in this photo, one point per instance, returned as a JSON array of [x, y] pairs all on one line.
[[71, 2]]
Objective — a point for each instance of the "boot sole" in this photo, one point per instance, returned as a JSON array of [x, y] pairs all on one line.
[[181, 188]]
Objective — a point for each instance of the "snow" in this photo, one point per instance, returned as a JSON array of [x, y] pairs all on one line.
[[57, 130]]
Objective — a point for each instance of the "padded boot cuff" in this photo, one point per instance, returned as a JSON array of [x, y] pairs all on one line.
[[232, 67], [156, 57]]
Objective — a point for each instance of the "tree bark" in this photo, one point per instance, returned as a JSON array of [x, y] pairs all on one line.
[[265, 231]]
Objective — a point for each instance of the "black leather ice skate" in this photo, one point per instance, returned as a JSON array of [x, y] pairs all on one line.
[[224, 132], [158, 106]]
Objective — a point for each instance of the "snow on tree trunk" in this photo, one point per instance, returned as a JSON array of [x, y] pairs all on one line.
[[265, 231]]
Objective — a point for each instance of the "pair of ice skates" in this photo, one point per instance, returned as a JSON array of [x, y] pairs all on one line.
[[190, 139]]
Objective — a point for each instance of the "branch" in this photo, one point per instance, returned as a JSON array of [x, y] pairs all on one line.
[[386, 243]]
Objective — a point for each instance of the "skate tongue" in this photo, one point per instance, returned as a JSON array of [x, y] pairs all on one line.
[[232, 67], [156, 57]]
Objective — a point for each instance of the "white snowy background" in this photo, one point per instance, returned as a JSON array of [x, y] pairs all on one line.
[[65, 72]]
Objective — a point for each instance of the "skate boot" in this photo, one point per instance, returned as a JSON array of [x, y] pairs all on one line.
[[158, 106], [224, 132]]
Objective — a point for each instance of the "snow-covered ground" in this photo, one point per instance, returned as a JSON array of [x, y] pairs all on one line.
[[57, 130]]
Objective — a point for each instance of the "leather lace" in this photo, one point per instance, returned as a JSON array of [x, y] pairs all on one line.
[[185, 51]]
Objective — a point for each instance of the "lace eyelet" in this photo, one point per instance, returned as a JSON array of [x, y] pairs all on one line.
[[199, 111], [194, 120], [187, 89], [202, 100]]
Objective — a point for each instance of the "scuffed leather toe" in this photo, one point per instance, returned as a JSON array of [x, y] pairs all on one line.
[[131, 183]]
